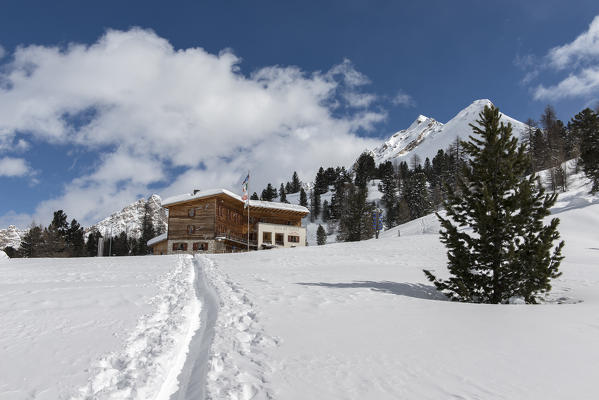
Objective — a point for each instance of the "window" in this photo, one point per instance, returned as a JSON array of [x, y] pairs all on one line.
[[191, 229], [279, 239], [179, 246], [266, 237], [191, 212], [197, 246], [293, 239]]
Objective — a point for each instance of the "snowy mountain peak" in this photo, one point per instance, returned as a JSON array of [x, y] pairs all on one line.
[[129, 219], [420, 120], [11, 237], [425, 136]]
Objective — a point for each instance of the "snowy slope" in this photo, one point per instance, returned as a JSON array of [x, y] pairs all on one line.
[[346, 320], [360, 321], [130, 218], [426, 136]]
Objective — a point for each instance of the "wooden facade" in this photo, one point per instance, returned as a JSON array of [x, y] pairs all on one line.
[[219, 223]]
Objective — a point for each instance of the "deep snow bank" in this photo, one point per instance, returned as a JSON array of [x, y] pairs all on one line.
[[3, 256]]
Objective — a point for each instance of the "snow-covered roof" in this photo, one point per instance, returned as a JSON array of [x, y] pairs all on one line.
[[157, 239], [182, 198]]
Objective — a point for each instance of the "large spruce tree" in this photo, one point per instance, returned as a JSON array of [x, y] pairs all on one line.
[[508, 252]]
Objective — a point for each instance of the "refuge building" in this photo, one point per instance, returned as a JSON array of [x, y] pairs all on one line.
[[216, 221]]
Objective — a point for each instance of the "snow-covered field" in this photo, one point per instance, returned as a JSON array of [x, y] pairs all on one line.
[[341, 321], [94, 328]]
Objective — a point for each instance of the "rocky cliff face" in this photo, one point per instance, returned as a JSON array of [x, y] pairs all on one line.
[[11, 237], [130, 218]]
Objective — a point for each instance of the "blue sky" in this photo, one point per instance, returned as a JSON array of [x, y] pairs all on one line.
[[103, 102]]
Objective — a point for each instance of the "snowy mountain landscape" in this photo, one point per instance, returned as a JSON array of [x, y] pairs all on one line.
[[129, 219], [299, 201], [425, 136], [289, 323]]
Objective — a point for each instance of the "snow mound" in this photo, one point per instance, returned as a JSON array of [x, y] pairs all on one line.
[[3, 257], [154, 353], [238, 365]]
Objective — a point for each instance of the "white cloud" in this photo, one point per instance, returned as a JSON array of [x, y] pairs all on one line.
[[580, 58], [581, 84], [14, 167], [584, 47], [161, 110], [403, 99]]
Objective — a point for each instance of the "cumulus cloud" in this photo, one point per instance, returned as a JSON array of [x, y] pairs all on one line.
[[584, 47], [403, 99], [14, 167], [175, 120], [580, 57], [581, 84]]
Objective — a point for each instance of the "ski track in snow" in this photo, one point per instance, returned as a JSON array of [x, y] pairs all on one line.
[[192, 379], [238, 366], [155, 352]]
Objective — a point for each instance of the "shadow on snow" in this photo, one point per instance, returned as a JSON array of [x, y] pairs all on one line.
[[416, 290]]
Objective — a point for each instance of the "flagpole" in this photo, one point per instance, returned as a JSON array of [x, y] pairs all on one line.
[[248, 204]]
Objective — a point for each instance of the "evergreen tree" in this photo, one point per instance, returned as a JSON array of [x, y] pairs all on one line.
[[321, 236], [529, 141], [508, 254], [320, 182], [282, 194], [296, 184], [147, 231], [585, 125], [416, 195], [390, 193], [365, 169], [54, 237], [75, 240], [91, 245], [288, 188], [59, 223], [356, 221], [303, 199], [330, 175], [254, 196], [120, 244], [32, 243], [314, 204], [326, 211], [269, 194], [338, 198]]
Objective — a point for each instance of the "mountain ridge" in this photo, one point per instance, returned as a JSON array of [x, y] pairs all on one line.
[[426, 136]]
